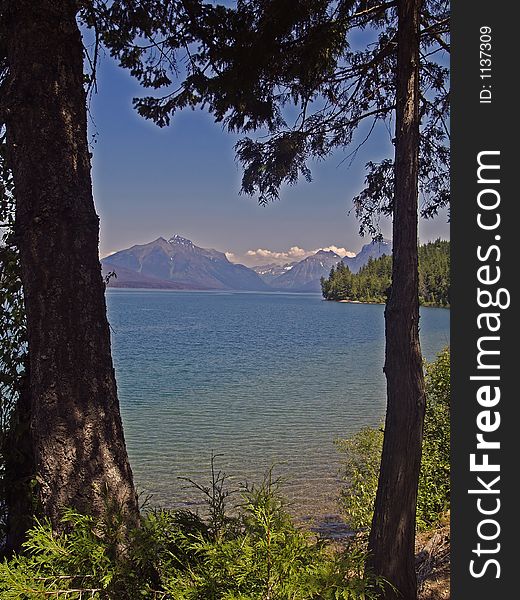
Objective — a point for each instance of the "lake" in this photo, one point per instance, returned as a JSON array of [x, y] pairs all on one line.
[[261, 379]]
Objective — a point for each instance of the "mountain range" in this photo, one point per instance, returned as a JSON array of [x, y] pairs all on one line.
[[180, 262], [373, 250], [177, 263], [304, 276]]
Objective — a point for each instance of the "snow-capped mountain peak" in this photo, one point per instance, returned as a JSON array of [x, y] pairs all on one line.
[[180, 241]]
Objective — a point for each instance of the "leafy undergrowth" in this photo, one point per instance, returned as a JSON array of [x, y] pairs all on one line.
[[256, 554]]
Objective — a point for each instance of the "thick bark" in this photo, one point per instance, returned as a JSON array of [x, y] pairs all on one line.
[[79, 449], [392, 536]]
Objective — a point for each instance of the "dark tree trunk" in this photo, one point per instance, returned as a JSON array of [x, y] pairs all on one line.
[[392, 536], [79, 449]]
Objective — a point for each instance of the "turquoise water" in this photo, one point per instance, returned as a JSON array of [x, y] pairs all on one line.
[[261, 378]]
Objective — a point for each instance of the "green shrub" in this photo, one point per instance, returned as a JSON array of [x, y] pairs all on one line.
[[434, 480], [362, 456], [255, 553]]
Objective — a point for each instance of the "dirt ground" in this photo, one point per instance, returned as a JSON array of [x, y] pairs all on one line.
[[433, 564]]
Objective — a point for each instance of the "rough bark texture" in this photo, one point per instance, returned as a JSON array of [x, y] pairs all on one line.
[[392, 535], [79, 449]]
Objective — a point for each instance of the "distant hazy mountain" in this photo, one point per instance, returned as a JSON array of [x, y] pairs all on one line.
[[371, 250], [305, 275], [179, 262], [269, 272], [126, 278]]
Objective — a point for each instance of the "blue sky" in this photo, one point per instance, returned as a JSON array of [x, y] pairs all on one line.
[[151, 182]]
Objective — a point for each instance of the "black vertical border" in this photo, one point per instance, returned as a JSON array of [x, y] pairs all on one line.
[[477, 127]]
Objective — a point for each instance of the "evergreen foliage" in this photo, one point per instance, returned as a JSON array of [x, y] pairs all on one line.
[[256, 553], [13, 342], [362, 456], [288, 72], [372, 282], [434, 273], [12, 317]]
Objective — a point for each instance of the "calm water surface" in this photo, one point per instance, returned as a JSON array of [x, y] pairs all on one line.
[[262, 379]]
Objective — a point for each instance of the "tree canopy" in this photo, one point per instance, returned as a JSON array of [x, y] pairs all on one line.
[[293, 77]]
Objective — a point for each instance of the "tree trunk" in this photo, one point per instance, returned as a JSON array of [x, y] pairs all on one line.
[[392, 536], [79, 449]]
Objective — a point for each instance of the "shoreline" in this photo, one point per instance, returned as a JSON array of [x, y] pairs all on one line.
[[355, 302], [380, 303]]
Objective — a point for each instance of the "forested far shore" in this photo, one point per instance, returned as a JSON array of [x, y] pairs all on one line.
[[372, 282]]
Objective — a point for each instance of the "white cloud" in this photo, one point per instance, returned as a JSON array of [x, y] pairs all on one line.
[[262, 256], [294, 253], [341, 251]]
